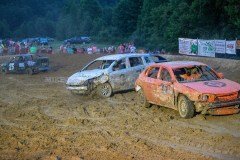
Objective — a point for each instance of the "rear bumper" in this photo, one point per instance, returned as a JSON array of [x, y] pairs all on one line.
[[219, 108]]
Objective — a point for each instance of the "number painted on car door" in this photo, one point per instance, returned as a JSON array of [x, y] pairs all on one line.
[[11, 66]]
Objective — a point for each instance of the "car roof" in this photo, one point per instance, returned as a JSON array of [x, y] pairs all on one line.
[[180, 64], [120, 56]]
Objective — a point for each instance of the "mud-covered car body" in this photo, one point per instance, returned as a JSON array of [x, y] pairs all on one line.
[[120, 71], [210, 93], [26, 63]]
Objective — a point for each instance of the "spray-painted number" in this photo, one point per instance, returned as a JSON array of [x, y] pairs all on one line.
[[11, 66]]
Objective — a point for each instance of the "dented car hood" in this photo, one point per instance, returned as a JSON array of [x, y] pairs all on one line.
[[80, 77], [221, 86]]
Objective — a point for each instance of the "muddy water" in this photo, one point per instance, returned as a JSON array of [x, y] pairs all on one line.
[[41, 120]]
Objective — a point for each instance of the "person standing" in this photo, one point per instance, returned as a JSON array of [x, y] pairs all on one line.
[[1, 49]]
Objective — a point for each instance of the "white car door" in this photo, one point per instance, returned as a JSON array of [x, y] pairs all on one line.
[[136, 67], [119, 75]]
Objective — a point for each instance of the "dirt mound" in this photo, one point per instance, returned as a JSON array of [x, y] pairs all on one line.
[[42, 120]]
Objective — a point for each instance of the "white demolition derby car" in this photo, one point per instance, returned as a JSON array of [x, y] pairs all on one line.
[[111, 73]]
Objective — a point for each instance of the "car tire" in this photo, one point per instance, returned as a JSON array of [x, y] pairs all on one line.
[[104, 90], [142, 99], [4, 71], [185, 107], [29, 71]]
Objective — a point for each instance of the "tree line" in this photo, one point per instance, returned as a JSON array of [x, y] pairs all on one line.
[[149, 23]]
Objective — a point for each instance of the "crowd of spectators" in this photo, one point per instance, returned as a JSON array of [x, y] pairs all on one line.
[[93, 49], [10, 47]]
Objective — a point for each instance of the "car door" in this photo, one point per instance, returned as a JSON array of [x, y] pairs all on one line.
[[136, 67], [151, 84], [165, 88], [13, 65], [20, 64], [118, 75]]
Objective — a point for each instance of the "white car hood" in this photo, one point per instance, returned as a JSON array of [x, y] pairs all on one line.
[[80, 77]]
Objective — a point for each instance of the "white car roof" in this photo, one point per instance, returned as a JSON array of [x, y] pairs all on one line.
[[120, 56]]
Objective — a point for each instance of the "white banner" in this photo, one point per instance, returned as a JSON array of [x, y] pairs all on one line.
[[231, 47], [187, 46], [220, 46], [206, 48]]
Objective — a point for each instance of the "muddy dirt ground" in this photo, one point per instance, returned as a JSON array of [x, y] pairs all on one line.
[[42, 120]]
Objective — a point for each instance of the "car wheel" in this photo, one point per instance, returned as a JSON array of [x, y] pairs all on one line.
[[142, 99], [104, 90], [185, 107], [4, 71], [29, 71]]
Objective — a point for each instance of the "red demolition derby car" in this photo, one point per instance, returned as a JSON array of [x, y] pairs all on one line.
[[189, 87]]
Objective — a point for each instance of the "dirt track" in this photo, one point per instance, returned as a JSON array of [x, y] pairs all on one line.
[[42, 120]]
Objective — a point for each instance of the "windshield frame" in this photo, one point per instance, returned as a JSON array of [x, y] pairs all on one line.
[[85, 68]]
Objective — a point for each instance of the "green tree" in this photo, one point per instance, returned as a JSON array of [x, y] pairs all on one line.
[[126, 16]]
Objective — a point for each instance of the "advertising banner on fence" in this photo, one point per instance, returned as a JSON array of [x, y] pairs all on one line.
[[187, 46], [206, 48], [220, 46], [231, 47]]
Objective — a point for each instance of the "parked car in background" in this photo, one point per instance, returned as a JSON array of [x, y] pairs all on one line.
[[26, 63], [42, 41], [189, 87], [78, 40], [50, 39], [109, 74]]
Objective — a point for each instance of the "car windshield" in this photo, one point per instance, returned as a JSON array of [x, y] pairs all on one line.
[[99, 64], [194, 74]]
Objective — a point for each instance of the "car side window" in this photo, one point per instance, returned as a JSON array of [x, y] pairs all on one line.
[[121, 64], [20, 59], [135, 61], [157, 59], [165, 75], [153, 72], [147, 59]]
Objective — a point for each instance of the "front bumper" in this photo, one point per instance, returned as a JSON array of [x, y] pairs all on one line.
[[78, 89], [44, 68], [219, 108]]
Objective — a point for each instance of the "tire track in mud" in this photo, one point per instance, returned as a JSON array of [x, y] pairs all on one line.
[[206, 152], [209, 127], [50, 119]]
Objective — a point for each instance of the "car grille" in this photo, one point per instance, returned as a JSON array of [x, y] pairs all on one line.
[[227, 97]]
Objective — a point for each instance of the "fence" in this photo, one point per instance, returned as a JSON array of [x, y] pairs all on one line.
[[210, 48]]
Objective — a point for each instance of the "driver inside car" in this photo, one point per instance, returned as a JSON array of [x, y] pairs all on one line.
[[191, 74]]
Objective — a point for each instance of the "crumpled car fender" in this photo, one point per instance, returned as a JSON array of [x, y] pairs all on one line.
[[101, 79]]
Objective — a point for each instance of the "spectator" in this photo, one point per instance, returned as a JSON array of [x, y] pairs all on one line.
[[89, 50], [33, 49], [121, 49], [132, 49], [17, 48], [1, 49], [94, 49]]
